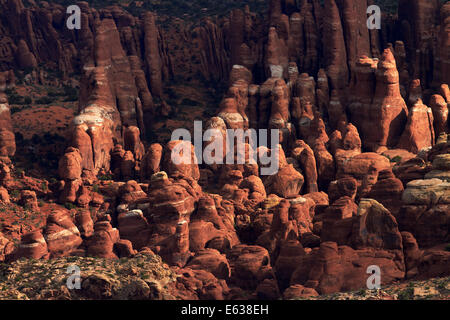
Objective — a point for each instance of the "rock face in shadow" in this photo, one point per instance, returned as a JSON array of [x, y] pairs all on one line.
[[7, 138], [362, 154]]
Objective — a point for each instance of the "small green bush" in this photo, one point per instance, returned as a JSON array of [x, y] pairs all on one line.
[[45, 100], [105, 177], [15, 99], [69, 206], [27, 100], [15, 193], [407, 294], [396, 159]]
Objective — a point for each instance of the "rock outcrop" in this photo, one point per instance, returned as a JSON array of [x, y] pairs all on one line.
[[361, 166]]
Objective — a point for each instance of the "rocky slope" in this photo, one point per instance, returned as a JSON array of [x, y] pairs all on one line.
[[145, 277], [432, 289], [364, 155]]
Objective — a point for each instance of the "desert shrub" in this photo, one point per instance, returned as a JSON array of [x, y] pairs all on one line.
[[52, 138], [396, 159], [14, 110], [19, 137], [189, 102], [36, 139], [27, 100], [15, 99], [406, 294], [27, 70], [53, 93], [15, 193], [45, 100], [69, 206], [172, 93], [70, 93], [105, 177]]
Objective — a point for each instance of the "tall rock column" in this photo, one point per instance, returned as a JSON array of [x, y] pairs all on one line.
[[362, 92], [356, 33], [420, 20], [388, 111], [152, 56], [442, 69], [335, 54], [7, 138]]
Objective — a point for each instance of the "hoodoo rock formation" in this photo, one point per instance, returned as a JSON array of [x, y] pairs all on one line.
[[362, 157]]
